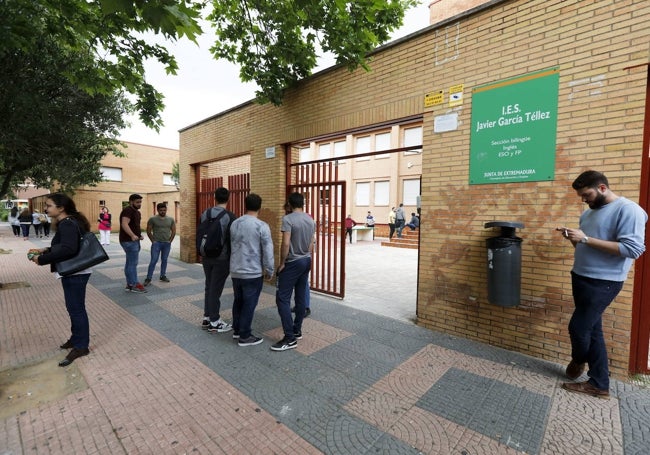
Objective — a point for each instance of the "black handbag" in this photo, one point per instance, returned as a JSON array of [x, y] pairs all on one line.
[[90, 253]]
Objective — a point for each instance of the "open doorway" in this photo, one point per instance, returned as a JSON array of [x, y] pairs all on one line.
[[377, 167]]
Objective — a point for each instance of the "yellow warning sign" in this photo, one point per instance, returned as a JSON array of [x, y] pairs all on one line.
[[456, 95], [433, 98]]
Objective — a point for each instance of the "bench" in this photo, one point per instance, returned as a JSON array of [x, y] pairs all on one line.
[[362, 233]]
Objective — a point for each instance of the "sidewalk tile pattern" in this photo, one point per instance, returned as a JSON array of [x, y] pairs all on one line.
[[358, 383]]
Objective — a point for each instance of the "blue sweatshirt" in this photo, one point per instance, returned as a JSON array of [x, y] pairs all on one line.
[[620, 221], [251, 248]]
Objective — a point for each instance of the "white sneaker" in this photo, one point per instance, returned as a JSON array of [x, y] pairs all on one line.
[[220, 327]]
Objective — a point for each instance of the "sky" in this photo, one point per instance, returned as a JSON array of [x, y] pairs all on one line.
[[204, 86]]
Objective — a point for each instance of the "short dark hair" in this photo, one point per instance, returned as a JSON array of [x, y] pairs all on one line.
[[590, 179], [296, 200], [161, 205], [134, 197], [253, 202], [221, 195]]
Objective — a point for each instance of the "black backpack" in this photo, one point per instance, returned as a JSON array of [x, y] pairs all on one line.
[[210, 238]]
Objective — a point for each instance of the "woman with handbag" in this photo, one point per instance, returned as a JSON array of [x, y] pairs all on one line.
[[69, 224], [104, 226]]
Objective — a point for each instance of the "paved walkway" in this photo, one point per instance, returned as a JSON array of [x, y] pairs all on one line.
[[358, 383]]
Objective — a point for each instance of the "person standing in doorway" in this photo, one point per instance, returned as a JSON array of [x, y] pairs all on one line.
[[611, 234], [288, 210], [399, 220], [217, 268], [130, 237], [161, 230], [104, 226], [298, 231], [251, 260]]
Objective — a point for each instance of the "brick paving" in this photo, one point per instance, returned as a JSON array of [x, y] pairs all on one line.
[[358, 383]]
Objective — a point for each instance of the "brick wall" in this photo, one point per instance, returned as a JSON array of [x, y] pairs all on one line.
[[600, 124]]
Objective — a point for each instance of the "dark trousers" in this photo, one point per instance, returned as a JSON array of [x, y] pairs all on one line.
[[391, 226], [74, 292], [216, 271], [348, 231], [16, 229], [591, 297], [295, 275], [246, 295], [399, 225], [25, 228]]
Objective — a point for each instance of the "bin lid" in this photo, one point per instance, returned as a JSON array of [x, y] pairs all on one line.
[[506, 224]]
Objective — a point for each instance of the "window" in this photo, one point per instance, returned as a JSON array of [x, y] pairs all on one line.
[[168, 180], [323, 151], [363, 194], [411, 191], [305, 154], [412, 136], [362, 146], [382, 142], [382, 193], [325, 197], [111, 174], [339, 150]]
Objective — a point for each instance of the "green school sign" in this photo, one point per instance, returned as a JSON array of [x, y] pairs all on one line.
[[514, 124]]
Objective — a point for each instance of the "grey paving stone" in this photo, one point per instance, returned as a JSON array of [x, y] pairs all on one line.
[[323, 380], [351, 363], [512, 415]]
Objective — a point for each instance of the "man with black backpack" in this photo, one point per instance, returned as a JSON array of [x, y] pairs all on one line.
[[213, 245]]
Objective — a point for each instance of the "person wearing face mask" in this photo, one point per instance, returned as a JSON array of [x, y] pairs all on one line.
[[611, 234]]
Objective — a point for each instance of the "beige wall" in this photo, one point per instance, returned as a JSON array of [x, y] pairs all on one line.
[[601, 108], [142, 173]]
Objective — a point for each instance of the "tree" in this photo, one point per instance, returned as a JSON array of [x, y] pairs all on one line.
[[51, 131], [176, 174], [273, 41]]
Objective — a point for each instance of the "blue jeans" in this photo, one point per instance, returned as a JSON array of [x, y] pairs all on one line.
[[74, 292], [161, 249], [25, 229], [246, 295], [216, 270], [295, 275], [132, 250], [591, 297]]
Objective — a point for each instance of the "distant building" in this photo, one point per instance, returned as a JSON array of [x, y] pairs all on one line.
[[146, 170]]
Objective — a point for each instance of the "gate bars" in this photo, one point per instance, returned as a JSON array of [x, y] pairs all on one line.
[[325, 201]]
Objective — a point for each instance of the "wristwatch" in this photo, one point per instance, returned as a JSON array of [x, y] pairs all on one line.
[[585, 239]]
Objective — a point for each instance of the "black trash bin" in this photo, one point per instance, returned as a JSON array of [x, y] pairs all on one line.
[[504, 264]]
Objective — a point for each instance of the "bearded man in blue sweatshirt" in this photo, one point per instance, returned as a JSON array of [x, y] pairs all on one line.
[[611, 235]]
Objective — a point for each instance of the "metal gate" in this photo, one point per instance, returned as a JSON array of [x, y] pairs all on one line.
[[238, 185], [325, 201]]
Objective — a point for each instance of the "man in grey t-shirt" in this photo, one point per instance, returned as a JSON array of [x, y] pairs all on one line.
[[298, 231]]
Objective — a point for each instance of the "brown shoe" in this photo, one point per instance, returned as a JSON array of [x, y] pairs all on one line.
[[67, 345], [574, 370], [72, 355], [586, 388]]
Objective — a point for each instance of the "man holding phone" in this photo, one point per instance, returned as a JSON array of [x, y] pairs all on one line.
[[610, 236]]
